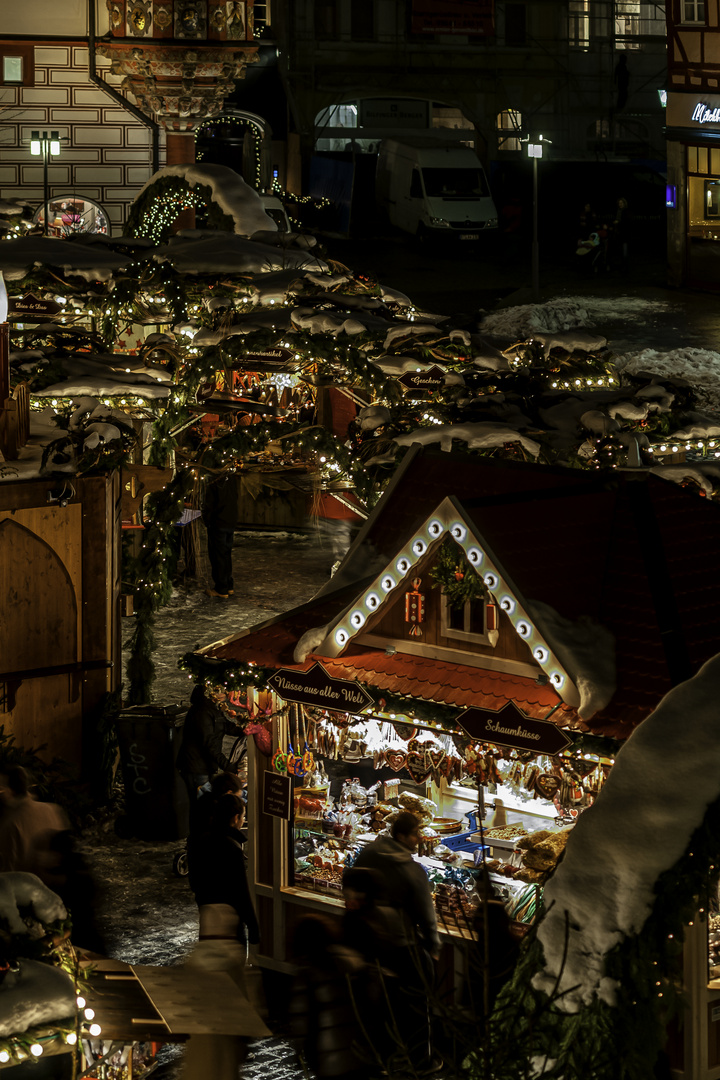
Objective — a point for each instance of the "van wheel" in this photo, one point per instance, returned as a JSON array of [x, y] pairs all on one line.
[[422, 236]]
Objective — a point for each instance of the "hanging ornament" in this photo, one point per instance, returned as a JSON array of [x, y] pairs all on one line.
[[415, 608]]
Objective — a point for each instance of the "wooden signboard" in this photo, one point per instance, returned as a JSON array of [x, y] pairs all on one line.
[[277, 795], [431, 379], [510, 728], [31, 307], [316, 687]]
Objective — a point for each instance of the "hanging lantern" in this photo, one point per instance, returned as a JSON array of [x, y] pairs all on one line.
[[415, 608]]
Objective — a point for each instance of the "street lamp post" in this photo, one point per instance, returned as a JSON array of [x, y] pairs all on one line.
[[47, 144], [535, 151]]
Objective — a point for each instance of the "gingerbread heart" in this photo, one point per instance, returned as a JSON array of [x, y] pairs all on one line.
[[418, 766], [436, 758], [396, 759], [405, 731], [547, 785]]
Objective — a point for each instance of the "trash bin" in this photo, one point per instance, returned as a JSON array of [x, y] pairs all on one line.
[[156, 804]]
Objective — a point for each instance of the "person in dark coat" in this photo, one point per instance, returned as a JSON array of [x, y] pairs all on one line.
[[221, 515], [201, 751], [416, 945], [227, 921], [324, 1025], [406, 884], [217, 874]]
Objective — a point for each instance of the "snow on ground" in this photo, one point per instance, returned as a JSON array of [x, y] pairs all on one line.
[[603, 890], [701, 368], [566, 312]]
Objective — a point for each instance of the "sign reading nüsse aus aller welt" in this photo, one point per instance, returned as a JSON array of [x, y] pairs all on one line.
[[315, 687]]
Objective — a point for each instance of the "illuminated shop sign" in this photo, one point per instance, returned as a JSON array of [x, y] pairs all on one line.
[[688, 111], [704, 114]]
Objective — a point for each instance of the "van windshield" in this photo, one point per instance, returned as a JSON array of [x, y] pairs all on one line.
[[447, 183]]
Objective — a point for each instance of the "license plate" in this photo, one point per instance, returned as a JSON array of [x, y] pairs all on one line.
[[469, 236]]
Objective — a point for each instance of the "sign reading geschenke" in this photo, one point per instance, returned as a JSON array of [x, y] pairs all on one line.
[[696, 110], [316, 687]]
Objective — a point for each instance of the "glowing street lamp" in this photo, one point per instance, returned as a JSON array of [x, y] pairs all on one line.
[[47, 145], [535, 151]]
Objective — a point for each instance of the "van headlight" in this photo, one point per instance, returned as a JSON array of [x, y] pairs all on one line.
[[439, 223], [491, 223]]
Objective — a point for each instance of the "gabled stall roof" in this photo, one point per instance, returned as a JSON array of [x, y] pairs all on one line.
[[638, 555]]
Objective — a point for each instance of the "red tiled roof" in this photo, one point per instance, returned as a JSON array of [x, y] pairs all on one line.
[[447, 683]]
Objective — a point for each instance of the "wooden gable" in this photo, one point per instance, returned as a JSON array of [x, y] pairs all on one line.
[[392, 625]]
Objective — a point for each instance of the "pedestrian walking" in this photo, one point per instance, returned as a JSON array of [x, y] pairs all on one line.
[[29, 829], [324, 1021], [227, 923], [221, 514], [201, 754]]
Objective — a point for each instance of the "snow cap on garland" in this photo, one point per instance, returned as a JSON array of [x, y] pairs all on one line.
[[225, 191]]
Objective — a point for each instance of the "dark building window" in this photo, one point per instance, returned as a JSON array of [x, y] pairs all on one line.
[[515, 24], [326, 20], [362, 20]]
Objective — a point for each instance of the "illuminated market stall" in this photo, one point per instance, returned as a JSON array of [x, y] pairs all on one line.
[[478, 659]]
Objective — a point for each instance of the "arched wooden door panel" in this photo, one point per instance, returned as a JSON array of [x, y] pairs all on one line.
[[39, 624]]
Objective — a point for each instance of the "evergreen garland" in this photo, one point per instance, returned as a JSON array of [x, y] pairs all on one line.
[[452, 572], [143, 219]]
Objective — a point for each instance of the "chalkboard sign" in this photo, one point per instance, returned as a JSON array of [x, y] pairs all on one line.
[[277, 795]]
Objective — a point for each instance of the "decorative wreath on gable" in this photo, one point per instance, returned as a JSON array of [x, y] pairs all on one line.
[[459, 581]]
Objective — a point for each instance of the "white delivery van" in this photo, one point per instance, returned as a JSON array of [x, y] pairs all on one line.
[[433, 189]]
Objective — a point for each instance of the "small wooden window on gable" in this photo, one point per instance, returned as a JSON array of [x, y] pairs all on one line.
[[475, 621]]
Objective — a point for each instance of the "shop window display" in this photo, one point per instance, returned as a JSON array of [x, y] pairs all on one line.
[[483, 808]]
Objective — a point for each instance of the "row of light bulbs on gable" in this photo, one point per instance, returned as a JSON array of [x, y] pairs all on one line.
[[475, 556]]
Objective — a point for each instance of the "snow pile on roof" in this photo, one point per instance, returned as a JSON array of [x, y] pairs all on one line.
[[701, 368], [18, 257], [477, 436], [20, 890], [210, 252], [603, 890], [229, 191], [564, 313], [38, 994], [585, 649]]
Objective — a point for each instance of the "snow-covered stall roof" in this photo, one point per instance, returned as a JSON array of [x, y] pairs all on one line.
[[92, 263], [229, 192]]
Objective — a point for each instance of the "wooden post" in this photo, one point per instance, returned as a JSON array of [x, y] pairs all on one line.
[[4, 362]]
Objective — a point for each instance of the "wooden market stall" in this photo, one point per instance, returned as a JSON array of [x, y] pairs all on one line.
[[60, 601], [595, 606]]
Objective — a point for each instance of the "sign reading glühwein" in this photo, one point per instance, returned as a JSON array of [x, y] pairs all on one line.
[[510, 728], [315, 687], [431, 379], [31, 307]]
